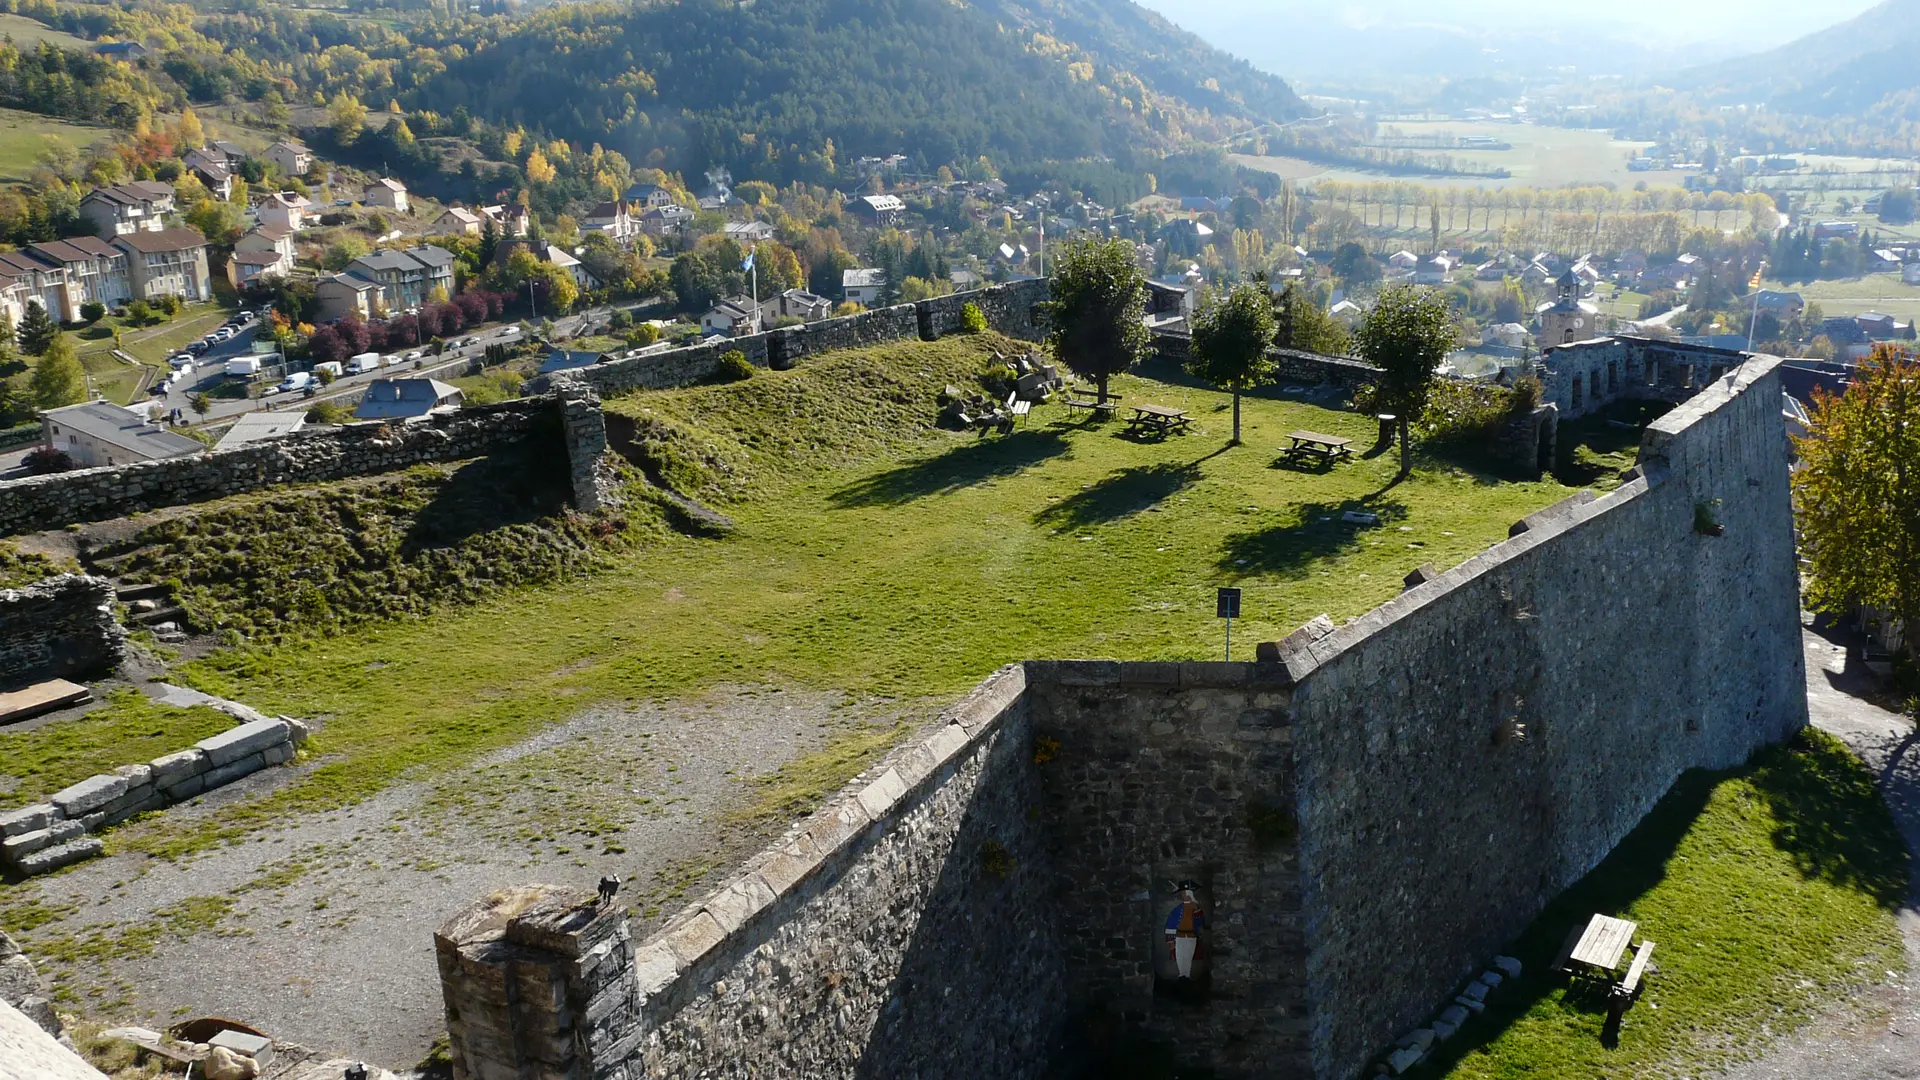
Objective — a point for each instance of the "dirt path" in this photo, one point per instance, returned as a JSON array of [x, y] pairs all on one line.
[[1876, 1036], [328, 939]]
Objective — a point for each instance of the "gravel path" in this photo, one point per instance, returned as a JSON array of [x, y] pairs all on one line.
[[1876, 1036], [329, 940]]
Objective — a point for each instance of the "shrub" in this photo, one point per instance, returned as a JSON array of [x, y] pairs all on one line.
[[329, 412], [138, 311], [48, 460], [734, 366], [170, 304], [644, 334], [972, 319], [1466, 413], [619, 320], [93, 311]]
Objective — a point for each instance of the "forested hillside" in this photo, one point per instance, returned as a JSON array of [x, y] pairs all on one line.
[[1858, 68]]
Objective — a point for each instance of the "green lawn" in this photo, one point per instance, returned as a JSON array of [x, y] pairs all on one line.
[[874, 555], [27, 33], [114, 378], [129, 727], [1852, 296], [1768, 891], [24, 136]]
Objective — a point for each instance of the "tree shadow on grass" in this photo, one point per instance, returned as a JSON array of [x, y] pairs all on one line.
[[1830, 821], [1313, 532], [953, 470], [1123, 494]]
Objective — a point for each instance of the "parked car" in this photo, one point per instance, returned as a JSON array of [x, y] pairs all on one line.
[[198, 348], [414, 355], [180, 360]]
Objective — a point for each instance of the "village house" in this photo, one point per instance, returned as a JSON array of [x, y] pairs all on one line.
[[171, 262], [287, 209], [407, 399], [98, 433], [547, 253], [455, 219], [124, 51], [611, 220], [142, 205], [645, 197], [96, 271], [1432, 270], [291, 158], [662, 220], [213, 170], [748, 232], [794, 304], [344, 295], [277, 239], [879, 211], [733, 317], [863, 286], [31, 281], [388, 193], [245, 268], [1782, 305], [407, 277], [511, 221]]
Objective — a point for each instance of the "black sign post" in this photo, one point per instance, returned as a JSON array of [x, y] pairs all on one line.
[[1227, 606]]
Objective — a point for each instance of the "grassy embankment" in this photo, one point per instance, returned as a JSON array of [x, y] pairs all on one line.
[[1768, 891], [872, 554]]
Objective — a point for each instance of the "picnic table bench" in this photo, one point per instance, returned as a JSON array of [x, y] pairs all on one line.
[[1158, 419], [1092, 405], [1312, 444], [1595, 950]]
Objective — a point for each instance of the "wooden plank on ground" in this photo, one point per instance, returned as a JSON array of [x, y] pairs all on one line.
[[41, 698]]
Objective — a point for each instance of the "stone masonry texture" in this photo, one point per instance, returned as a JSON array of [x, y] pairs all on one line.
[[1368, 814], [57, 628]]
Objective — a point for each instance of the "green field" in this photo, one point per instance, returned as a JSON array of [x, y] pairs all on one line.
[[1541, 157], [27, 33], [24, 137], [1852, 296]]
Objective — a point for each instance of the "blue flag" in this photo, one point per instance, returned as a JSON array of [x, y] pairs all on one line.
[[748, 265]]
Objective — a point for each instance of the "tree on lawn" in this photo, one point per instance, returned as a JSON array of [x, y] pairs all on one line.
[[58, 379], [1858, 493], [1406, 334], [1230, 340], [1099, 297], [1299, 323], [37, 329], [200, 404]]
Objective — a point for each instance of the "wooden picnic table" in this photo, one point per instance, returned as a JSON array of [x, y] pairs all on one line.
[[1602, 943], [1595, 951], [1158, 419], [1314, 444]]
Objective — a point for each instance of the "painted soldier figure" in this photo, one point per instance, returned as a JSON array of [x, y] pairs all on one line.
[[1184, 924]]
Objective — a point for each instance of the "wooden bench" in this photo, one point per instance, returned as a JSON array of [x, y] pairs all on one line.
[[1628, 988], [1108, 406], [1158, 420], [1312, 444]]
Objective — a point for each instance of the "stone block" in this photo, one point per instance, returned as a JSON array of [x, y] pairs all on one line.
[[62, 831], [233, 770], [59, 855], [15, 848], [655, 967], [133, 796], [1442, 1030], [89, 795], [1475, 991], [137, 775], [1492, 978], [787, 867], [1164, 673], [1507, 966], [278, 755], [1402, 1060], [1421, 574], [238, 743], [173, 767], [185, 788], [1453, 1014], [694, 938], [1213, 675], [879, 797], [1473, 1005], [1420, 1039], [742, 899], [1087, 673], [28, 819]]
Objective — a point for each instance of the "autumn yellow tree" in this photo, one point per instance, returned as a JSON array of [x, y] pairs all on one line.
[[539, 170]]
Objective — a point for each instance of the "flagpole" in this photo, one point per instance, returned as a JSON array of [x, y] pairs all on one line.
[[1753, 324], [753, 267]]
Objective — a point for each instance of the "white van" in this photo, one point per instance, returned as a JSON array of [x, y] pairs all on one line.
[[363, 362], [331, 367], [247, 366]]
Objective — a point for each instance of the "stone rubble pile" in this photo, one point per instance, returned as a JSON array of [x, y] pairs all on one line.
[[47, 836], [1415, 1045]]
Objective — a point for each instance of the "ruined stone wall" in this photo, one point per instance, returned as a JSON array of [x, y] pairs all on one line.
[[1009, 309], [49, 502], [1162, 773], [1587, 375], [905, 929], [58, 628], [1473, 747]]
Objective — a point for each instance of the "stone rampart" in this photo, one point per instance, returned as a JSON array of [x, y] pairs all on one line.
[[49, 502], [1009, 309], [63, 626], [1474, 746], [1359, 821], [1585, 376]]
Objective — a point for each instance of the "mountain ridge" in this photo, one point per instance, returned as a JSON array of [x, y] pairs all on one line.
[[1851, 67]]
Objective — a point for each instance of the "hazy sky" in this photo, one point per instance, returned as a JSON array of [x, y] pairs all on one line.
[[1741, 23]]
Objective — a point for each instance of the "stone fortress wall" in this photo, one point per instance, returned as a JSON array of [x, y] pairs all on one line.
[[1585, 376], [1367, 814]]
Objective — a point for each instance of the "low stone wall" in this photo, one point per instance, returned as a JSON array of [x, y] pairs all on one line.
[[914, 910], [46, 836], [1009, 309], [49, 502], [1585, 376], [60, 627]]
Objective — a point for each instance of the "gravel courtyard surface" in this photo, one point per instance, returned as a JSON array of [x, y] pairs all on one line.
[[1875, 1036], [328, 941]]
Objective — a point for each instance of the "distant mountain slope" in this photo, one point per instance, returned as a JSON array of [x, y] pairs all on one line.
[[766, 87], [1856, 67]]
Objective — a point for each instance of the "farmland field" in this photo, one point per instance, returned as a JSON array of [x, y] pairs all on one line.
[[27, 33], [24, 137], [1541, 157], [1852, 296]]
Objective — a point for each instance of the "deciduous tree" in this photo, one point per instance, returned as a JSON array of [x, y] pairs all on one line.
[[1858, 492], [58, 379], [1230, 340], [1098, 301], [1406, 334]]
